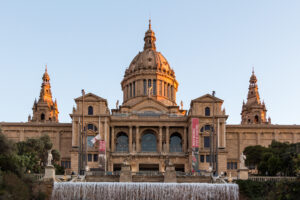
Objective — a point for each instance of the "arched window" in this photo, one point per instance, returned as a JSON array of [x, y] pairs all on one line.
[[42, 116], [175, 143], [207, 127], [256, 119], [122, 142], [90, 110], [91, 127], [207, 111], [149, 142]]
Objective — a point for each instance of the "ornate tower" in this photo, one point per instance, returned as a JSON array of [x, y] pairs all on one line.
[[254, 112], [45, 110]]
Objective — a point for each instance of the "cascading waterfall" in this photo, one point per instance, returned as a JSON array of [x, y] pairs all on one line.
[[143, 191]]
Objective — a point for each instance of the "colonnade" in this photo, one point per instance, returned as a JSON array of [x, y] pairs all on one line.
[[162, 146]]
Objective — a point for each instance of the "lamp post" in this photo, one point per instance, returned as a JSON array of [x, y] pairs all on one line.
[[83, 142]]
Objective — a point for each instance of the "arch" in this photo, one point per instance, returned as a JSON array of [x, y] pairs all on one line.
[[42, 116], [149, 141], [256, 119], [175, 142], [90, 110], [122, 142], [92, 127], [207, 111], [206, 127]]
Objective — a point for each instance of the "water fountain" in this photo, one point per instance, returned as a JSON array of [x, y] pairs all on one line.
[[143, 191]]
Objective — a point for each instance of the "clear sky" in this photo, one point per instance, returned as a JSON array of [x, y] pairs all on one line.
[[211, 45]]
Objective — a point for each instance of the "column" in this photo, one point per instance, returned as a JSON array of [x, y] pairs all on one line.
[[167, 139], [112, 139], [137, 140], [184, 139], [130, 139], [160, 140]]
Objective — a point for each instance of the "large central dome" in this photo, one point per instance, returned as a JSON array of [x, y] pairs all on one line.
[[149, 75]]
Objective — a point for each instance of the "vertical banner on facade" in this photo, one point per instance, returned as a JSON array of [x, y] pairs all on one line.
[[102, 159], [195, 144], [195, 133]]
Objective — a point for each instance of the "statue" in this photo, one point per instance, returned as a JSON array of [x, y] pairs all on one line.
[[181, 105], [150, 90], [50, 158], [117, 104], [242, 161]]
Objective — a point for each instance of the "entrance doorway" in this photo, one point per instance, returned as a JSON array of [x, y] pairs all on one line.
[[149, 167]]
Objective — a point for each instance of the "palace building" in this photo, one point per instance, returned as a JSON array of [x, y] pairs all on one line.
[[149, 127]]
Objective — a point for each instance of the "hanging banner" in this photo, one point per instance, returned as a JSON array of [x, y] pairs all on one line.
[[102, 146], [102, 156], [195, 133]]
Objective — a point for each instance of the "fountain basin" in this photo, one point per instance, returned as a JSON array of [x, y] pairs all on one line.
[[143, 191]]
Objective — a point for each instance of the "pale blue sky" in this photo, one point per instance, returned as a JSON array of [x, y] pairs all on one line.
[[211, 45]]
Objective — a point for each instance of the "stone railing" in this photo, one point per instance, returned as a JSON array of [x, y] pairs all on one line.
[[271, 178], [37, 177]]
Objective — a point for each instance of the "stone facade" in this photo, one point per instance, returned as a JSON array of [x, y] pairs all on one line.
[[149, 128]]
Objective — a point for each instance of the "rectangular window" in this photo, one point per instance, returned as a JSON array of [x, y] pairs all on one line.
[[160, 87], [90, 157], [206, 141], [130, 90], [149, 83], [134, 88], [145, 87], [89, 141], [95, 157], [207, 158], [202, 158], [231, 165], [154, 87]]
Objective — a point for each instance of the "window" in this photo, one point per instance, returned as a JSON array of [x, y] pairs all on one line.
[[122, 142], [133, 88], [207, 158], [172, 95], [207, 111], [42, 116], [160, 87], [206, 141], [231, 165], [168, 91], [130, 92], [92, 127], [66, 164], [90, 110], [90, 157], [202, 158], [149, 142], [89, 141], [256, 119], [175, 143], [145, 87], [149, 83], [154, 87], [95, 157]]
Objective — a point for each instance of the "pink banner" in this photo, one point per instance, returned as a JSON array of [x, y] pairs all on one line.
[[195, 133], [102, 146]]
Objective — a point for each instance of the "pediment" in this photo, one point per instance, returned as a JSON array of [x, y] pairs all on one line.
[[207, 98], [90, 97], [149, 105]]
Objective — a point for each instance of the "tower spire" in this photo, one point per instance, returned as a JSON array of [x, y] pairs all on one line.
[[253, 111], [149, 38], [45, 109]]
